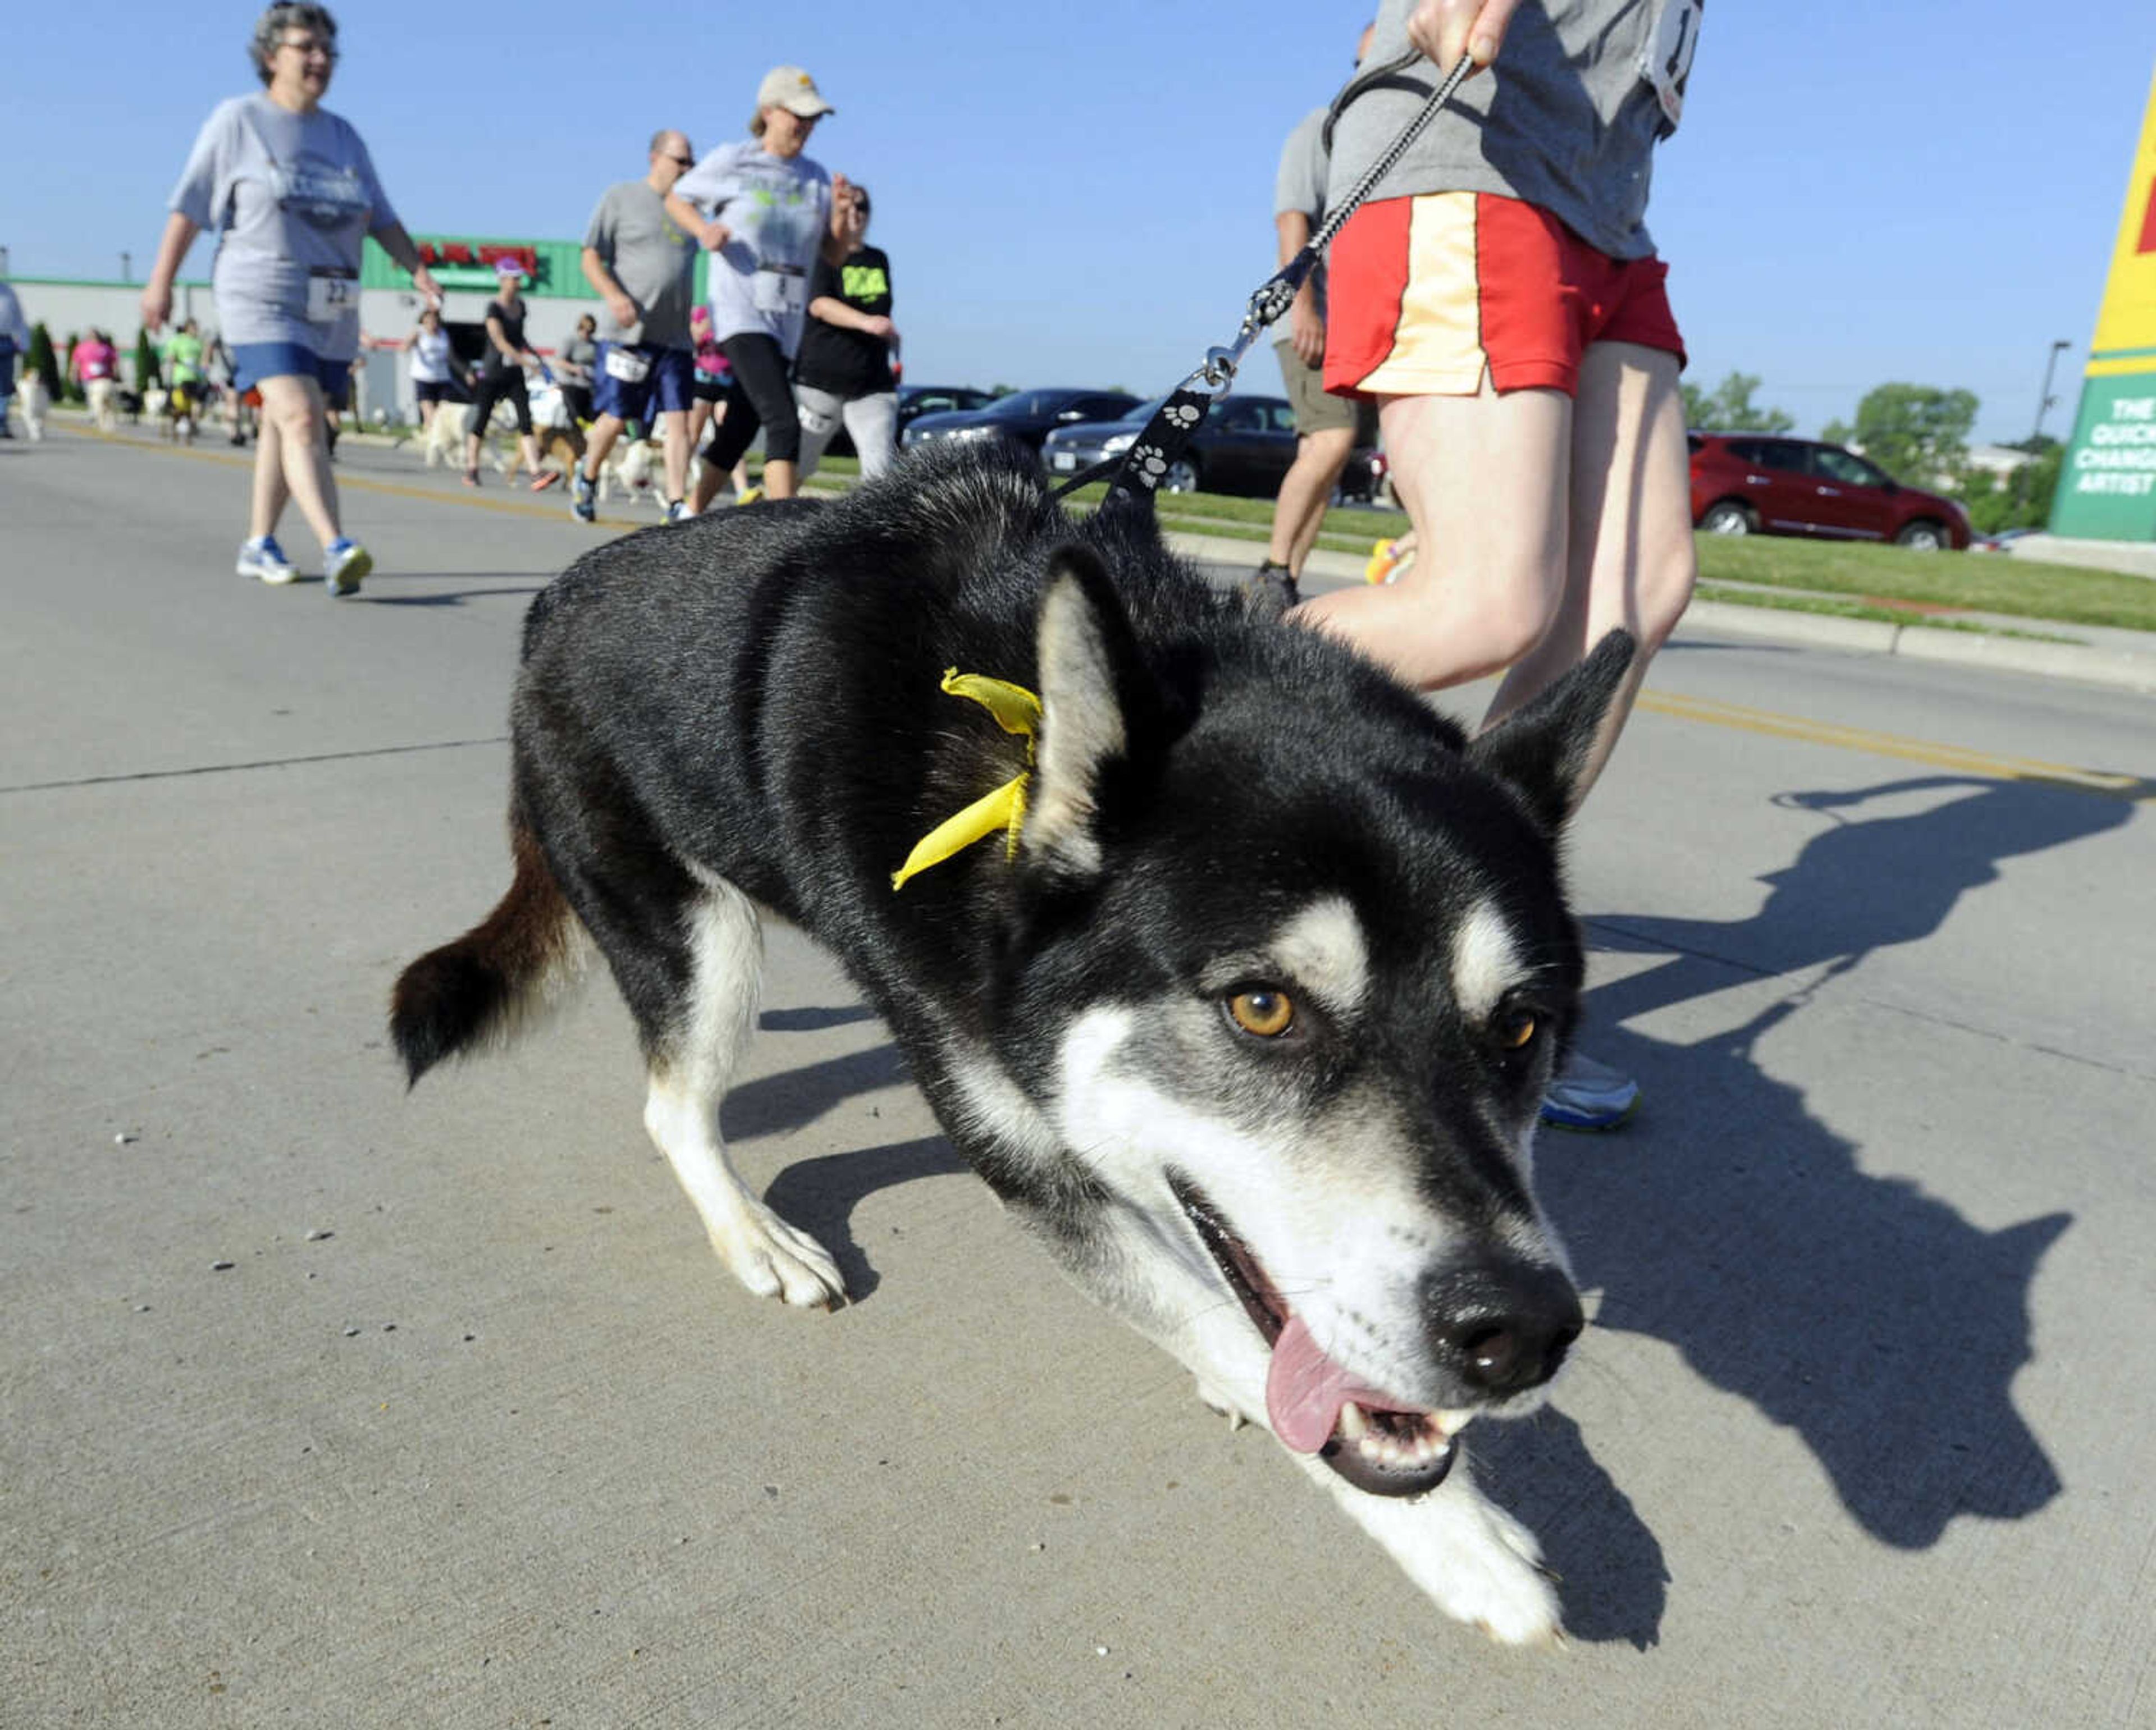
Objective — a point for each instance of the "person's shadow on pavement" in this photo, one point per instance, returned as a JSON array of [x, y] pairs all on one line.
[[1867, 1316]]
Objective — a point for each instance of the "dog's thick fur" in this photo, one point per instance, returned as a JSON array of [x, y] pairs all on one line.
[[32, 401], [1250, 1025], [443, 441], [102, 396], [634, 469]]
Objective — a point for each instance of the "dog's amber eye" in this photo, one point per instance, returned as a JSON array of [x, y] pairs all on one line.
[[1268, 1014], [1515, 1029]]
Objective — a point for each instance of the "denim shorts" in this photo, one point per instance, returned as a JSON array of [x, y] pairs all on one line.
[[664, 389], [254, 362]]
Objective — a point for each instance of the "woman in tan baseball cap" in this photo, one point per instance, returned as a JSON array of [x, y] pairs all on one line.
[[764, 211], [791, 91]]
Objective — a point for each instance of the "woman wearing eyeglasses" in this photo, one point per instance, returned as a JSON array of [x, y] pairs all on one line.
[[291, 192]]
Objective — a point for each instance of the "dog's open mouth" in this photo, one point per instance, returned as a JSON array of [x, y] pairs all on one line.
[[1379, 1444]]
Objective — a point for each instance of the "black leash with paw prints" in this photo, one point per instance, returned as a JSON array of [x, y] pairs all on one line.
[[1135, 476]]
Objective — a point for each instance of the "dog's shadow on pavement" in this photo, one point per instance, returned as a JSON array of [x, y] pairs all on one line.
[[1866, 1316], [819, 1194]]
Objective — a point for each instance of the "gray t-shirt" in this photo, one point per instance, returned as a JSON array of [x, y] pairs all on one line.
[[1300, 185], [291, 196], [1566, 119], [652, 260], [780, 210]]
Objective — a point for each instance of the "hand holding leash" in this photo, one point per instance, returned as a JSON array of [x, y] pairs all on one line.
[[1447, 30]]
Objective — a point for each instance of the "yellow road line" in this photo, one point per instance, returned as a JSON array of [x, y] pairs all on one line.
[[1891, 745], [348, 482]]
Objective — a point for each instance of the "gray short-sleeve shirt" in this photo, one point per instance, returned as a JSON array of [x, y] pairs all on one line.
[[1567, 120], [652, 260], [780, 210], [290, 198], [1299, 186]]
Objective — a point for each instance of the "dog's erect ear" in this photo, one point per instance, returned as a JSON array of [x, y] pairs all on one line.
[[1542, 750], [1088, 661]]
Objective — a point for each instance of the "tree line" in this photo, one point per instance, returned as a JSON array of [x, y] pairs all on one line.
[[1918, 434]]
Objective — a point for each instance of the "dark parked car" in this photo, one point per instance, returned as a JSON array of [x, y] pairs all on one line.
[[1027, 415], [915, 401], [1756, 484], [1245, 444]]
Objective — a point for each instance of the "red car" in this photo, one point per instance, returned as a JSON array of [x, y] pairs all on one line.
[[1762, 484]]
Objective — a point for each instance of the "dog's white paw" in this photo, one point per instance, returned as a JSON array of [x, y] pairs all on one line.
[[776, 1259], [1491, 1577], [1477, 1563]]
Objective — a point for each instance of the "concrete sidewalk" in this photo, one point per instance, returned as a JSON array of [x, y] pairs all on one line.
[[323, 1402]]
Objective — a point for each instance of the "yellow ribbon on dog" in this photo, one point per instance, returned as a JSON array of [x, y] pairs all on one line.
[[1017, 711]]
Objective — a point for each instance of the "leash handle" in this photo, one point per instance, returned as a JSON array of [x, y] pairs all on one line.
[[1138, 475]]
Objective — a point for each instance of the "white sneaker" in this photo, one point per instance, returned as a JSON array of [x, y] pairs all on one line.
[[262, 557], [343, 565]]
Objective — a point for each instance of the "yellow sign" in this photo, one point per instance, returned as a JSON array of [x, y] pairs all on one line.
[[2125, 340], [2108, 473]]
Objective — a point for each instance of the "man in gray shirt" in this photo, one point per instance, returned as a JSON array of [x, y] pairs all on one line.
[[643, 266], [1328, 429]]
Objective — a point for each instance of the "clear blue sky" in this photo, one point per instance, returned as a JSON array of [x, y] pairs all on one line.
[[1862, 191]]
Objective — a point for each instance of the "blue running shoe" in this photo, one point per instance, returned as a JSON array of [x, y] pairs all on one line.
[[584, 497], [262, 557], [343, 565], [1588, 1096]]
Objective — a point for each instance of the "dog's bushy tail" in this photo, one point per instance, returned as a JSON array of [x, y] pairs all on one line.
[[492, 982]]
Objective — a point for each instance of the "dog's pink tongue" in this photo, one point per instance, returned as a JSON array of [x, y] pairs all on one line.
[[1304, 1390]]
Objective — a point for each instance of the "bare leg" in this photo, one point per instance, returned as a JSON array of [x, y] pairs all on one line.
[[599, 441], [779, 479], [1304, 491], [673, 431], [1484, 481], [1631, 561], [292, 459], [707, 487]]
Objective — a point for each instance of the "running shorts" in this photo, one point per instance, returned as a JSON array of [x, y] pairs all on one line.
[[1426, 293]]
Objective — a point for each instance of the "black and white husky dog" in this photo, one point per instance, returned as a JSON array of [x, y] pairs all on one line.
[[1238, 977]]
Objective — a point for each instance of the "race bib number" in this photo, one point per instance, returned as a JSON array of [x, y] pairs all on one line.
[[1665, 62], [626, 364], [781, 290], [331, 297]]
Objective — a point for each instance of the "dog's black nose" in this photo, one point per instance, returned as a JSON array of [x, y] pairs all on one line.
[[1503, 1327]]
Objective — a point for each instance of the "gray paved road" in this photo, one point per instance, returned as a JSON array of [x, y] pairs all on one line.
[[320, 1403]]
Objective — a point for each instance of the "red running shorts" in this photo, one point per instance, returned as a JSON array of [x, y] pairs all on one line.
[[1425, 293]]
